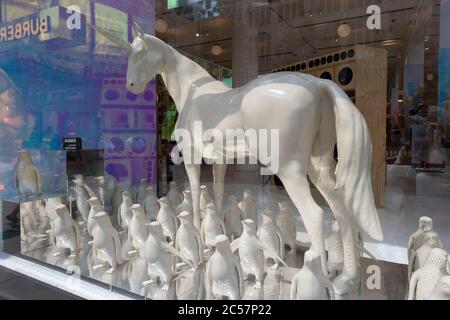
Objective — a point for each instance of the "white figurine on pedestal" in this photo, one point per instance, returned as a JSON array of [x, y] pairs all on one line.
[[124, 215], [151, 205], [287, 225], [417, 238], [167, 219], [233, 215], [442, 290], [186, 205], [81, 197], [212, 226], [96, 206], [28, 178], [249, 206], [174, 195], [419, 256], [189, 243], [313, 115], [188, 239], [205, 199], [424, 280], [270, 235], [224, 277], [65, 233], [310, 283], [137, 231], [251, 252], [106, 243]]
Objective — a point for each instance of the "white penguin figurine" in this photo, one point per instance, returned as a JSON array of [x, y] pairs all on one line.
[[65, 233], [96, 206], [204, 200], [233, 215], [28, 178], [224, 277], [310, 283], [424, 280], [124, 215], [249, 206], [212, 226], [109, 187], [287, 225], [81, 197], [271, 236], [419, 256], [251, 252], [137, 231], [159, 256], [335, 249], [174, 195], [417, 238], [167, 219], [151, 204], [186, 205], [142, 191], [442, 290], [188, 240], [106, 244]]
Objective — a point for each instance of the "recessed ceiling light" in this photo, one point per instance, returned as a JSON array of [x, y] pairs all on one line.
[[161, 25], [216, 49], [344, 30]]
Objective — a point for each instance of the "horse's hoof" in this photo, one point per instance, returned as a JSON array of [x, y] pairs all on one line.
[[346, 285]]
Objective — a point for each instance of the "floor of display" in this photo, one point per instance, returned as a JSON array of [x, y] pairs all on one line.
[[14, 286]]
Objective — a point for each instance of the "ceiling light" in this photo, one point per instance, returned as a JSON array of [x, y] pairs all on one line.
[[197, 34], [344, 30], [216, 49], [161, 25]]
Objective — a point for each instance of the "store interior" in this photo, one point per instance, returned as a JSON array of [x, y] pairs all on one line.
[[392, 64]]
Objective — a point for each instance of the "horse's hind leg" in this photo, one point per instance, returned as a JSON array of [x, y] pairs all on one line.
[[219, 171], [321, 172], [322, 175], [293, 176], [193, 173]]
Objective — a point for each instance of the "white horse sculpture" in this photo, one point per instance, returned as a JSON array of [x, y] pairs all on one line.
[[311, 114]]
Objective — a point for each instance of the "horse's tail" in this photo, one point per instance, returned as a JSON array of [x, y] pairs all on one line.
[[353, 171]]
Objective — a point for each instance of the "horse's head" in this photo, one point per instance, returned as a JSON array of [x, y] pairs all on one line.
[[145, 61]]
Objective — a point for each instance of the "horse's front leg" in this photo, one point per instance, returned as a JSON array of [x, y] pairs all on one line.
[[193, 173], [219, 171]]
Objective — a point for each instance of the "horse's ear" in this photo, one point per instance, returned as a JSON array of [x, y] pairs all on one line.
[[137, 30]]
